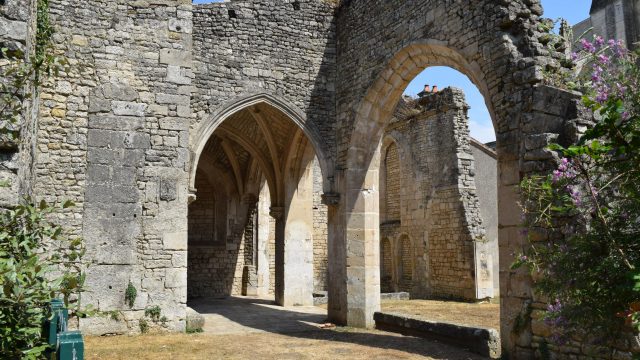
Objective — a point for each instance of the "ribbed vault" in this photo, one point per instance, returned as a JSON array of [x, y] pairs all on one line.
[[257, 135]]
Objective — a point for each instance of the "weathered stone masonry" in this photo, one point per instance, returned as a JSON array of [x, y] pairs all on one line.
[[122, 132], [17, 32], [439, 235], [113, 137]]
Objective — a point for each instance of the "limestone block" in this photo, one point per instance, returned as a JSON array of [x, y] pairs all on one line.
[[175, 278], [107, 284], [110, 122], [195, 321], [128, 108], [174, 124], [102, 325], [168, 190], [173, 99], [152, 284], [178, 75], [176, 57], [179, 259], [9, 193], [119, 91], [175, 241], [79, 40], [159, 110], [15, 30]]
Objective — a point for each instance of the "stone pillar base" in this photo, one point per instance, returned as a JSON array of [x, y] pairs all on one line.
[[249, 281]]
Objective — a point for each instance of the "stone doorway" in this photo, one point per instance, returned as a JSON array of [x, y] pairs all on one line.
[[257, 225]]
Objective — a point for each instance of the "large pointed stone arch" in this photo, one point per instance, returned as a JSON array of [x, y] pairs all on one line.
[[200, 137], [382, 46]]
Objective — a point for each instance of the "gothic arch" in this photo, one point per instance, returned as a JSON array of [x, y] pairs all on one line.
[[213, 122]]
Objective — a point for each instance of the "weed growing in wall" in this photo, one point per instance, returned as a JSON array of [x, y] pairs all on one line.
[[130, 294]]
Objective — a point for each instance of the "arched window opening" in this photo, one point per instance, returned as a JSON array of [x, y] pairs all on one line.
[[386, 267], [393, 176]]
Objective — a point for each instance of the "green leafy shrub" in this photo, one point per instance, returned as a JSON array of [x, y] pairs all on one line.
[[37, 263], [153, 313], [130, 294]]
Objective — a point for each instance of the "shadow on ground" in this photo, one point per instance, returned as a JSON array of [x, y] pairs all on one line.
[[241, 315]]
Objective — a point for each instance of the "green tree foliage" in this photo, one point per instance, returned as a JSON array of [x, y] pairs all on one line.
[[38, 262]]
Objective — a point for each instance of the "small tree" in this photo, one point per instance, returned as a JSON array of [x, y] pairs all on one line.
[[587, 261], [37, 263]]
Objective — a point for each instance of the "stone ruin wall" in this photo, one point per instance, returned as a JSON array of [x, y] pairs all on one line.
[[113, 137], [301, 72], [113, 134], [438, 203], [284, 48], [486, 179], [17, 33]]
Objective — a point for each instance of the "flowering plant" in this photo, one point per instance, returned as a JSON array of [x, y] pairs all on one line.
[[583, 220]]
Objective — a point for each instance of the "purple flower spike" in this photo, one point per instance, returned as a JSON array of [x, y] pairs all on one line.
[[587, 46]]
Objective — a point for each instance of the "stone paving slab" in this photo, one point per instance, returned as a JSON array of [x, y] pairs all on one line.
[[243, 315]]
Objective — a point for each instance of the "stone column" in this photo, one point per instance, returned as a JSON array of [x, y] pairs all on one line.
[[262, 266], [250, 271], [277, 212], [362, 246], [298, 239], [355, 247], [336, 277]]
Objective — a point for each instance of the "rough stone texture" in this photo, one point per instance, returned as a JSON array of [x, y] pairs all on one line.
[[124, 132], [243, 48], [94, 147], [432, 215], [195, 321], [17, 31]]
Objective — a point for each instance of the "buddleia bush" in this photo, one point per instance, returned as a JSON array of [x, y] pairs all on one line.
[[583, 219]]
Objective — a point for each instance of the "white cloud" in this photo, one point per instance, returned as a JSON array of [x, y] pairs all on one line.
[[482, 131]]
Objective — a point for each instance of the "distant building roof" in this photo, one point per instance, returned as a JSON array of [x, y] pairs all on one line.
[[488, 148], [599, 4]]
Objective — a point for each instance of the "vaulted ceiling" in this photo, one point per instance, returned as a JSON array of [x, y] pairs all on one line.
[[257, 136]]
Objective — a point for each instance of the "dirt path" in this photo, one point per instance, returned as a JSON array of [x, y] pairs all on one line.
[[341, 343]]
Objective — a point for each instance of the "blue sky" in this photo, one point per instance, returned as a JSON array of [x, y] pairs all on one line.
[[480, 121]]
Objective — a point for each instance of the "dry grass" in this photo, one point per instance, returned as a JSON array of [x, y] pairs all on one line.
[[470, 314], [481, 315], [321, 344]]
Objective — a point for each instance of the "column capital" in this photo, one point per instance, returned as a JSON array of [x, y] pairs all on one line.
[[331, 199], [191, 197], [277, 212]]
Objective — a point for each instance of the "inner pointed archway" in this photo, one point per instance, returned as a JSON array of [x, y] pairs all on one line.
[[255, 226]]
